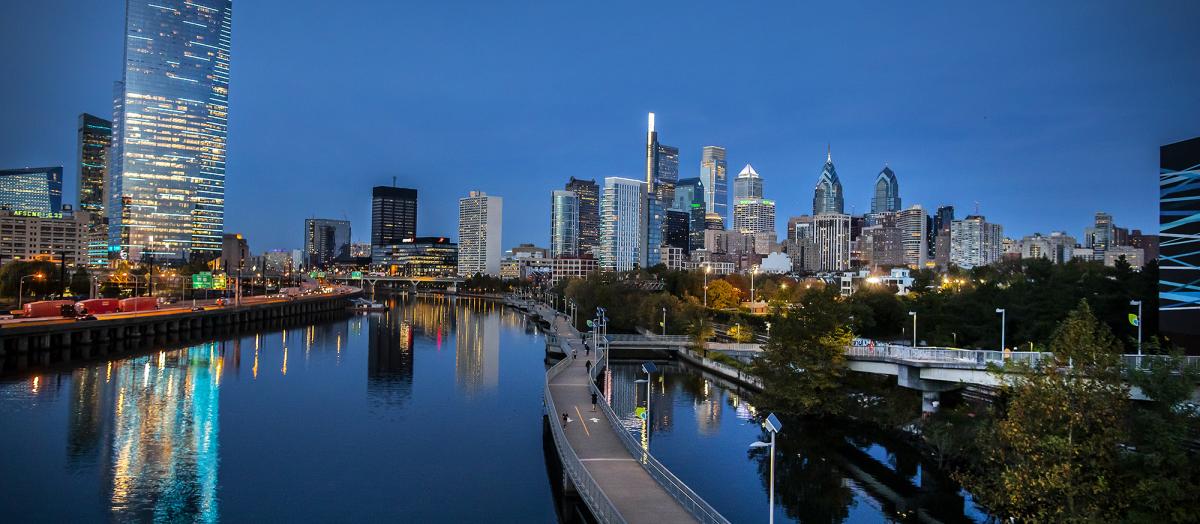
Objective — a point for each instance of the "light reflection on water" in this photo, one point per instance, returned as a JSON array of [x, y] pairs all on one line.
[[397, 414]]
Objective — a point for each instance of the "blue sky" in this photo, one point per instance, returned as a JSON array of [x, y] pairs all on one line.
[[1043, 112]]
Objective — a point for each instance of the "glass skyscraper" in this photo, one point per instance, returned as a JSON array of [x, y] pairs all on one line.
[[827, 197], [622, 219], [564, 223], [95, 136], [887, 192], [170, 117], [588, 194], [689, 197], [326, 240], [716, 184], [393, 215], [32, 190]]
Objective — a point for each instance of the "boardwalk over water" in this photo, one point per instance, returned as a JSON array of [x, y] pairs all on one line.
[[615, 481]]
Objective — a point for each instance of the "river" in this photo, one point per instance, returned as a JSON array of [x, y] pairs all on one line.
[[430, 412]]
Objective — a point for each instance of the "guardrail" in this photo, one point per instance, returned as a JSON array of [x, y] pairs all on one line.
[[670, 339], [946, 355], [602, 507], [1147, 362], [680, 491]]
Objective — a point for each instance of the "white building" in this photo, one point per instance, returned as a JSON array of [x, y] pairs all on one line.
[[975, 242], [831, 242], [1059, 247], [622, 208], [754, 215], [1133, 255], [776, 263], [36, 235], [479, 228], [914, 235], [564, 223]]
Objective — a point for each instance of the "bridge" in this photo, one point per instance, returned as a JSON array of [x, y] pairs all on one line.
[[370, 280], [612, 472]]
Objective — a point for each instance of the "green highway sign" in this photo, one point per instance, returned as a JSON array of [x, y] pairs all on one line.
[[203, 280], [219, 281], [357, 275]]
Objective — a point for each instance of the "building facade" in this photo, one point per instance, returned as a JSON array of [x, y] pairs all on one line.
[[1179, 234], [564, 224], [676, 232], [715, 181], [747, 184], [479, 234], [914, 231], [420, 257], [622, 208], [95, 137], [27, 236], [325, 241], [1058, 247], [975, 242], [235, 253], [887, 192], [689, 198], [393, 215], [831, 242], [171, 110], [662, 166], [32, 190], [588, 194], [827, 196], [754, 215]]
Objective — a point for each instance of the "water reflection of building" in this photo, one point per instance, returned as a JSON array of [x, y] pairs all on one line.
[[90, 393], [164, 449], [390, 358], [708, 409], [476, 347]]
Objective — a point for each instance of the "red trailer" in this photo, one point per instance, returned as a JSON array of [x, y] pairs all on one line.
[[139, 304], [45, 308], [97, 306]]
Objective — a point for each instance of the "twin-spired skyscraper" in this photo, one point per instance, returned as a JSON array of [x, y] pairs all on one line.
[[170, 122]]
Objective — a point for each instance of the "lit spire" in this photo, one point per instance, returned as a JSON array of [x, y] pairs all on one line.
[[828, 151], [651, 123]]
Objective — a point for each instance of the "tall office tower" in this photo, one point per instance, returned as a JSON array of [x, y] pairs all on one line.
[[747, 184], [393, 215], [827, 196], [622, 212], [716, 185], [754, 215], [689, 198], [913, 224], [831, 242], [676, 230], [36, 190], [479, 227], [799, 242], [325, 240], [1102, 232], [564, 224], [940, 236], [943, 218], [975, 242], [882, 243], [887, 192], [662, 166], [1179, 231], [95, 137], [588, 194], [167, 192]]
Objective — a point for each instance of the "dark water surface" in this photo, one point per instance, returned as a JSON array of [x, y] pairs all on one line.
[[430, 412]]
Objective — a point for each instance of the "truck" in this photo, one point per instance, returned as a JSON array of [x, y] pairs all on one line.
[[45, 308], [138, 304], [97, 306]]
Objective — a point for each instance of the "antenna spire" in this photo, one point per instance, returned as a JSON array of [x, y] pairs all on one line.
[[828, 152]]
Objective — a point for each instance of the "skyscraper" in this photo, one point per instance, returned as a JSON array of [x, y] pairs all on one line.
[[747, 184], [622, 208], [393, 215], [1179, 232], [35, 190], [827, 196], [831, 242], [887, 192], [662, 166], [167, 193], [689, 197], [676, 229], [588, 194], [95, 137], [479, 229], [914, 234], [564, 224], [325, 240], [941, 235], [975, 242], [716, 185], [1103, 232]]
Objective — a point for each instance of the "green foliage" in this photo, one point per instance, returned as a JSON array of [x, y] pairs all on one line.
[[878, 313], [11, 273], [1054, 454], [722, 294], [480, 283], [805, 361], [81, 284]]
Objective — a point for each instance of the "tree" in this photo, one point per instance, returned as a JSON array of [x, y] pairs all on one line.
[[803, 364], [722, 294], [1054, 454], [81, 283]]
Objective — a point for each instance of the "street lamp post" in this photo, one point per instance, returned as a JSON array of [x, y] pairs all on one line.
[[664, 323], [773, 426], [649, 368], [914, 315], [707, 270], [21, 288], [1138, 303], [753, 271], [1003, 318]]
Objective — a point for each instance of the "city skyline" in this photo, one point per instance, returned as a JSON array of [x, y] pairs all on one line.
[[1051, 123]]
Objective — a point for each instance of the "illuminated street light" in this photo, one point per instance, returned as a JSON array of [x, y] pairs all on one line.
[[21, 287]]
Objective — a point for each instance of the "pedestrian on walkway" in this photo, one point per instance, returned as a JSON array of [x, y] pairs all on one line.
[[574, 353], [587, 350], [565, 420], [593, 401], [588, 366]]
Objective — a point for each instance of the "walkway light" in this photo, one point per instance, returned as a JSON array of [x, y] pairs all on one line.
[[1138, 303], [1003, 315], [914, 315], [773, 426]]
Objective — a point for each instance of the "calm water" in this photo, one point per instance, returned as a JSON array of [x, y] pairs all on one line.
[[827, 473], [430, 412]]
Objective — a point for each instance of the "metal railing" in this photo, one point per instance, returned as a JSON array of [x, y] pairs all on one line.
[[597, 501], [721, 368], [693, 503], [1147, 362], [668, 339], [946, 355]]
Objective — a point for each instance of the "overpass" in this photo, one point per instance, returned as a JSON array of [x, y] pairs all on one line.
[[614, 473], [370, 280]]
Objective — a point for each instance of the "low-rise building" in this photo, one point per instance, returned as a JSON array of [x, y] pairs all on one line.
[[1134, 256], [35, 235], [423, 257], [572, 267]]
